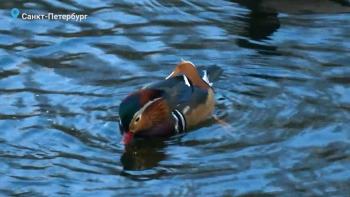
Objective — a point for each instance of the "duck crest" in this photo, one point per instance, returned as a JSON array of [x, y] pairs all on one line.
[[144, 95]]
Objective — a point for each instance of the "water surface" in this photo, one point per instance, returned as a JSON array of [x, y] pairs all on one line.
[[284, 93]]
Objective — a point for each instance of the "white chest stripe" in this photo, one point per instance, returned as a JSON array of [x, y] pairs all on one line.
[[176, 123], [180, 121]]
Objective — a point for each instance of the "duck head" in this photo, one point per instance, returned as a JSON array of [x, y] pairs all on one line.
[[141, 111]]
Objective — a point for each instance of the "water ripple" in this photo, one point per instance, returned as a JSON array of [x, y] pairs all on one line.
[[284, 96]]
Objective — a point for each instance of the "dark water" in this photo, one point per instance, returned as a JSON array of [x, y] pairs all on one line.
[[284, 93]]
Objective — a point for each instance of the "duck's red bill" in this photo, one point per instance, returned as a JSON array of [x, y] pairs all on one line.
[[127, 137]]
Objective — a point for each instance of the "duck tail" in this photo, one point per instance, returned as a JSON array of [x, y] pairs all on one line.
[[211, 74]]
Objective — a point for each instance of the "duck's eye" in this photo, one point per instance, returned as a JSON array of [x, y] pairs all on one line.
[[137, 119]]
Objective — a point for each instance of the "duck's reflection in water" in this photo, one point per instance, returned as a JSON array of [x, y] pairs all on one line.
[[142, 157]]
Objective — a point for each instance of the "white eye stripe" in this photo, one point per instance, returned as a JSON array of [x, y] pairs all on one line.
[[140, 112], [148, 104], [139, 118]]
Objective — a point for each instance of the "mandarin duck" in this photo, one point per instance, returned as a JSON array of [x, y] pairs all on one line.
[[170, 106]]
